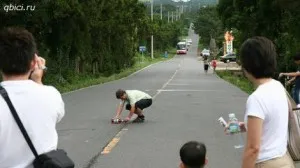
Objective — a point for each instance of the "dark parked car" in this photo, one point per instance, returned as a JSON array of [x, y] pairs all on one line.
[[228, 58]]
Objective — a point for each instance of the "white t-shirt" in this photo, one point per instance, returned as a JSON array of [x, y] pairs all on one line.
[[269, 102], [136, 95], [40, 108]]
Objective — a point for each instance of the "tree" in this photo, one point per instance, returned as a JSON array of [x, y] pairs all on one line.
[[278, 20], [91, 38], [208, 25]]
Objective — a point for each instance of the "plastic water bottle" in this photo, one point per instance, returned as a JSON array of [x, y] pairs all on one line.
[[235, 131]]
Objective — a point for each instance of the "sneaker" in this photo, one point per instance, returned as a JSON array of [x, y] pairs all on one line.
[[139, 119]]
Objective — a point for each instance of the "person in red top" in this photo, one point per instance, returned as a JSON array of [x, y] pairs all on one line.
[[214, 64]]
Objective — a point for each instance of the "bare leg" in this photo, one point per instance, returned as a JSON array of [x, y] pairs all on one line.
[[138, 112], [140, 117]]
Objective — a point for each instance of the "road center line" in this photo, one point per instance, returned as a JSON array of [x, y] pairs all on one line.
[[113, 142], [172, 77]]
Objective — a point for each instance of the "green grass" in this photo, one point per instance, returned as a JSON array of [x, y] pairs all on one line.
[[85, 81], [238, 81]]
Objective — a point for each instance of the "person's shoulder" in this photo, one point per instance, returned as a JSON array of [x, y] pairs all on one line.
[[128, 91], [50, 90], [133, 91], [271, 87], [252, 97], [278, 86]]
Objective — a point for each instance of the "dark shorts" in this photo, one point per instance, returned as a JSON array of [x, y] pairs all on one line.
[[205, 67], [144, 103]]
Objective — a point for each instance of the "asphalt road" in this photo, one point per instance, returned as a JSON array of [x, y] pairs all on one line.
[[186, 107]]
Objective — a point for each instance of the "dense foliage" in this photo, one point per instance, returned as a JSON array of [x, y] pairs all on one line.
[[278, 20], [94, 38]]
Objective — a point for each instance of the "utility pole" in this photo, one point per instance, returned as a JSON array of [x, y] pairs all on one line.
[[152, 34], [177, 13], [182, 7], [161, 11]]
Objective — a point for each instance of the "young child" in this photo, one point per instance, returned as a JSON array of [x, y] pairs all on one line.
[[193, 155], [214, 64]]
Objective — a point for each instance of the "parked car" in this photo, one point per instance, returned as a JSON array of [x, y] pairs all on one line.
[[231, 57], [188, 44]]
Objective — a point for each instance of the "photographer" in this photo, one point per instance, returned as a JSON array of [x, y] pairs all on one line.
[[39, 107]]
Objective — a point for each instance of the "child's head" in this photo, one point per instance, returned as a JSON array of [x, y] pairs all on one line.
[[121, 94], [193, 155], [297, 58]]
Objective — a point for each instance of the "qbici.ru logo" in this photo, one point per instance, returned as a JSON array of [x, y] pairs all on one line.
[[16, 7]]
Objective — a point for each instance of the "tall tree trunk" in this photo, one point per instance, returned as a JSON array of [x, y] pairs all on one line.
[[77, 61]]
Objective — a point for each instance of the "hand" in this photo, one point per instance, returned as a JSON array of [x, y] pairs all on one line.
[[39, 68], [288, 83], [281, 75], [116, 117], [126, 119], [242, 127], [226, 130]]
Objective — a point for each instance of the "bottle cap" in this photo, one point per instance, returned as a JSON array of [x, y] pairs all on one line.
[[231, 115]]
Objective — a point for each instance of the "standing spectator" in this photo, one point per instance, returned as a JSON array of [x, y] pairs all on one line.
[[39, 107], [295, 78], [266, 116]]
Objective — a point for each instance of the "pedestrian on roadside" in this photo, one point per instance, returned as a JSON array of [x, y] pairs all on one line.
[[267, 108], [193, 155], [206, 64], [214, 64]]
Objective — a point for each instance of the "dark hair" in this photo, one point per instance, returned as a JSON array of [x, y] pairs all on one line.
[[193, 154], [258, 57], [297, 57], [17, 49], [120, 93]]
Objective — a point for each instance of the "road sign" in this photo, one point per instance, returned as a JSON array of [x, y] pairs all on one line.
[[143, 48]]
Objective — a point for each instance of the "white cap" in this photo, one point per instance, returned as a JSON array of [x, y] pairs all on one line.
[[231, 115]]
